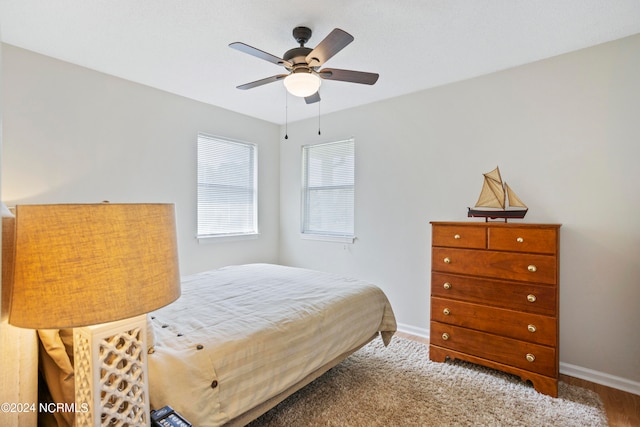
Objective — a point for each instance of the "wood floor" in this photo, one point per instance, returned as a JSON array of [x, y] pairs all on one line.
[[623, 409]]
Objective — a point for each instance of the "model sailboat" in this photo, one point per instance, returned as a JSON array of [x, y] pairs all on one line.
[[497, 200]]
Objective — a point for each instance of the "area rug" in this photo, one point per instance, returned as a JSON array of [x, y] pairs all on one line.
[[399, 386]]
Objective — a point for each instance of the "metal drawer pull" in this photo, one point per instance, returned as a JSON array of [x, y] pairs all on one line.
[[457, 237], [531, 298], [445, 336], [532, 268], [530, 357], [446, 312], [519, 240], [532, 328], [447, 260], [447, 285]]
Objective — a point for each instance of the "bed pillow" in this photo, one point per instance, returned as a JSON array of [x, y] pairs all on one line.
[[56, 366]]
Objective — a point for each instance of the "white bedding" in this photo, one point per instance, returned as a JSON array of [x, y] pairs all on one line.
[[239, 335]]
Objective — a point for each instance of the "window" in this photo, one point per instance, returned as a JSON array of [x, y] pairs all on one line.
[[227, 187], [328, 190]]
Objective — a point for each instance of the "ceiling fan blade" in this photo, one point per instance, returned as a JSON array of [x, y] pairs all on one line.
[[262, 81], [348, 76], [312, 99], [259, 54], [332, 44]]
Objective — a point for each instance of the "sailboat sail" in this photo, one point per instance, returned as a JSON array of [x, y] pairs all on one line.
[[513, 199], [488, 197], [499, 198], [494, 175], [492, 194]]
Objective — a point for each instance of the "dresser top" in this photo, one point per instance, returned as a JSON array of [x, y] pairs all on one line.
[[494, 224]]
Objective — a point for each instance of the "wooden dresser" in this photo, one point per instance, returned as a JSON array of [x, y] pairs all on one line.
[[494, 297]]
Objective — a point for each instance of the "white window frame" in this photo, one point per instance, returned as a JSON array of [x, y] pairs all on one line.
[[209, 153], [344, 149]]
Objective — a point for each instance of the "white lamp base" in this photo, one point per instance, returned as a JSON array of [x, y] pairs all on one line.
[[111, 380]]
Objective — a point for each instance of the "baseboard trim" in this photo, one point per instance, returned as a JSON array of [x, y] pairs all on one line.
[[590, 375], [600, 378], [412, 330]]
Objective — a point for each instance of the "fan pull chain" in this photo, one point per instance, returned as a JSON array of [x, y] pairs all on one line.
[[319, 116], [286, 114]]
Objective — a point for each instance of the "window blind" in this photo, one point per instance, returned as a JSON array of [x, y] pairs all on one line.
[[328, 188], [227, 187]]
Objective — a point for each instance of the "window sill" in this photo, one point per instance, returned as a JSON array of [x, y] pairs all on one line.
[[226, 238], [326, 238]]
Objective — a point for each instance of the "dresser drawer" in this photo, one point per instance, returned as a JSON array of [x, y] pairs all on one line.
[[514, 324], [542, 359], [540, 299], [523, 239], [504, 265], [459, 236]]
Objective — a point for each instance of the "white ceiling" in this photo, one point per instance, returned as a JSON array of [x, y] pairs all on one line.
[[182, 46]]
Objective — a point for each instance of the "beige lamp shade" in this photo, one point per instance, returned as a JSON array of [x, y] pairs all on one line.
[[85, 264]]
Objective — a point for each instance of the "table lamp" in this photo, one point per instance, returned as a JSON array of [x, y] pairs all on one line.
[[82, 265]]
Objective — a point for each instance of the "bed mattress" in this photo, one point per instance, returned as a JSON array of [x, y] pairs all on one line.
[[239, 335]]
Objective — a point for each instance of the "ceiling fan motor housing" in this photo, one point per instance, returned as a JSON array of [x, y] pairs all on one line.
[[302, 35], [297, 56]]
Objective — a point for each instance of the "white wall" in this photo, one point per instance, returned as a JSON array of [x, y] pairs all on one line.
[[565, 133], [72, 135]]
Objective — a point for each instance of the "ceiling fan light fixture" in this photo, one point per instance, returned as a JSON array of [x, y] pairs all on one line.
[[302, 84]]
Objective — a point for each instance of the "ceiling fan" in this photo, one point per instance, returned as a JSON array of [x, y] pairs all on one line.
[[303, 64]]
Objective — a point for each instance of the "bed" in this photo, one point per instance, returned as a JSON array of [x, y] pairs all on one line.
[[241, 339]]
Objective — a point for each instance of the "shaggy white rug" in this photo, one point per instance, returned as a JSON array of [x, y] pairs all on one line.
[[399, 386]]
